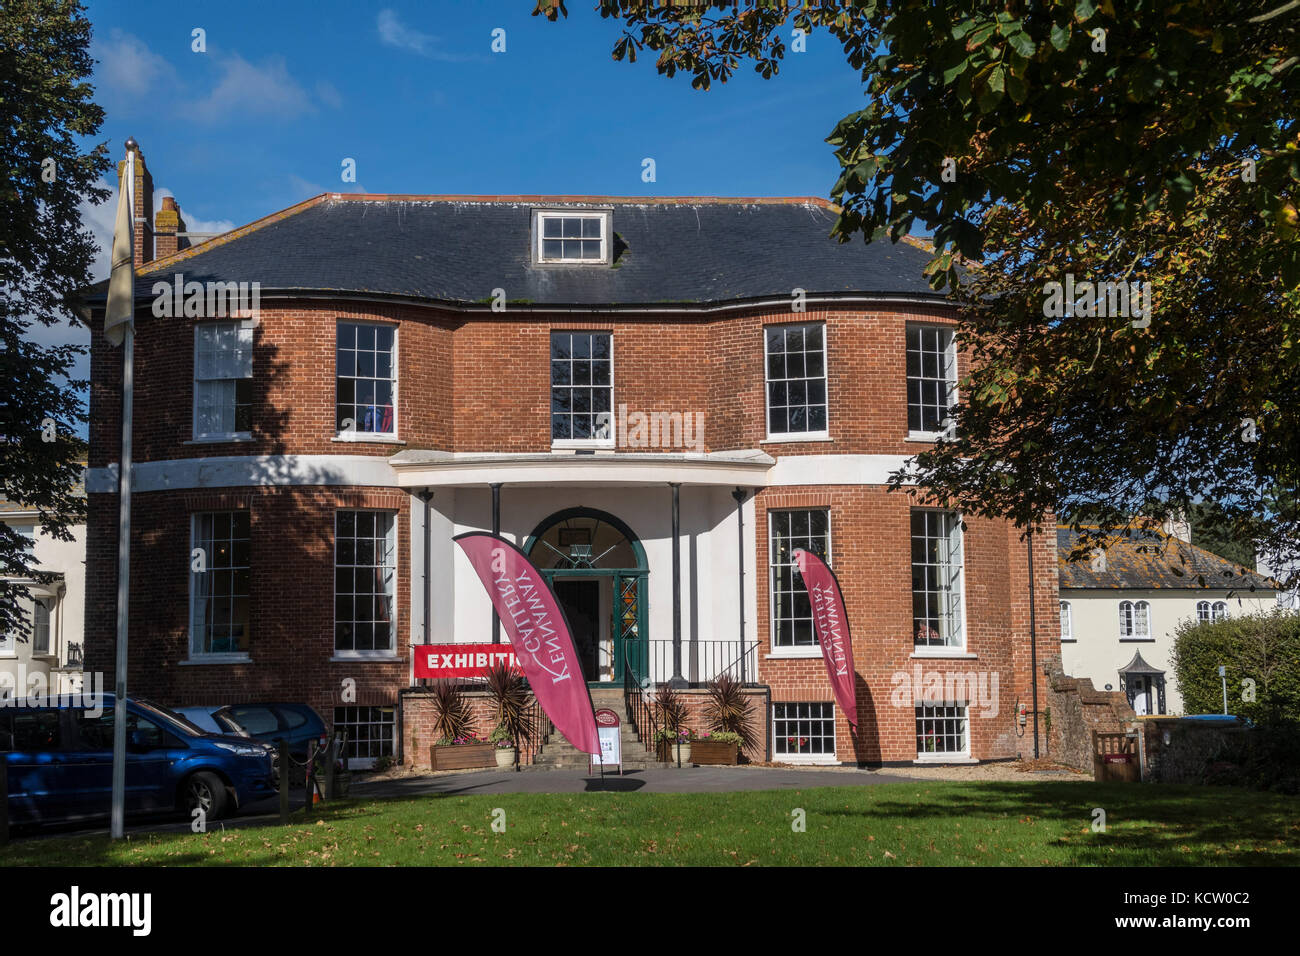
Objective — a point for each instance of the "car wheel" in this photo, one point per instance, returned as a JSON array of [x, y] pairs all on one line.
[[205, 791]]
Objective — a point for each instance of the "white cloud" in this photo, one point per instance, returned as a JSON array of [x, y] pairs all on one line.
[[328, 94], [99, 219], [244, 89], [128, 68], [392, 32]]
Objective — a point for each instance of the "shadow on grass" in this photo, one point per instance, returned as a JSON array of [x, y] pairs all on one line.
[[1164, 825]]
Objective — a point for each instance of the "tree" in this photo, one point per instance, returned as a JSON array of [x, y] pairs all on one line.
[[45, 259], [1142, 141], [1261, 656]]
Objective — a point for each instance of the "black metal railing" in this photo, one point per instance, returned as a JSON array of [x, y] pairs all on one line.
[[541, 726], [704, 660], [76, 656], [640, 708]]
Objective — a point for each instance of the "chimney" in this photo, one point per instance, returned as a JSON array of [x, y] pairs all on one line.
[[167, 224], [143, 207], [1177, 526]]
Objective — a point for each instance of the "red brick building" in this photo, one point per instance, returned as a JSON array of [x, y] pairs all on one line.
[[658, 399]]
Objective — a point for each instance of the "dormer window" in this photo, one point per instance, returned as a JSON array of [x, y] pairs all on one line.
[[571, 236]]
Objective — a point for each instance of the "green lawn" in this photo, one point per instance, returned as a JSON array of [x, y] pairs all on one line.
[[978, 824]]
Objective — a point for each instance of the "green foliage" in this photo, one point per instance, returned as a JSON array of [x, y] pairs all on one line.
[[1118, 142], [1212, 530], [511, 700], [1264, 648], [727, 710], [452, 719], [670, 709], [45, 256]]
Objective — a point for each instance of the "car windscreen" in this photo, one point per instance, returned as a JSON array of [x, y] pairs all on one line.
[[178, 722]]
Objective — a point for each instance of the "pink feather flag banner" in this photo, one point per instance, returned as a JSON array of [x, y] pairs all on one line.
[[832, 625], [539, 633]]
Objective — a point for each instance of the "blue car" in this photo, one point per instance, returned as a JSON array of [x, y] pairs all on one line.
[[59, 758], [299, 724]]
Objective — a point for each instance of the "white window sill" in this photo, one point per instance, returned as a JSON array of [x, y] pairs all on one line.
[[219, 439], [578, 444], [200, 660], [793, 438], [793, 653], [820, 760], [8, 656], [956, 654], [1137, 640], [353, 657], [928, 438], [347, 437], [945, 758]]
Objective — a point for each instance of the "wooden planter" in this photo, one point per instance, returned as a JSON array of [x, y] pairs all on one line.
[[706, 752], [462, 756]]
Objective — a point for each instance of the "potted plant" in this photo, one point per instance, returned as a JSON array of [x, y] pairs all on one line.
[[730, 729], [505, 747], [669, 746], [458, 746], [671, 739], [514, 723]]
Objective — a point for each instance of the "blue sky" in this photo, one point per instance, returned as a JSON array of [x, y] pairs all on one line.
[[286, 91]]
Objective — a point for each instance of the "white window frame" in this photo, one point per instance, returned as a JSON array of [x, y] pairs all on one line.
[[38, 605], [372, 653], [364, 763], [792, 650], [241, 326], [824, 433], [196, 655], [606, 217], [356, 434], [944, 756], [1129, 618], [1202, 611], [809, 758], [942, 650], [953, 394], [569, 443], [1067, 621]]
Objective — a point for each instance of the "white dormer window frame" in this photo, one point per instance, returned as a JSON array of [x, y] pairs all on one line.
[[543, 227]]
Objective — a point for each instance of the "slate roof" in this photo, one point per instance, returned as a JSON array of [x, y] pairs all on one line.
[[1155, 560], [695, 251]]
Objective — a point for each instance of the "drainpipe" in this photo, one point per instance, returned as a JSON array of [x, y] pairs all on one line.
[[427, 497], [739, 495], [496, 529], [1033, 641], [677, 679]]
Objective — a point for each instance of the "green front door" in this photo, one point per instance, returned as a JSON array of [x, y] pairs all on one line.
[[627, 623]]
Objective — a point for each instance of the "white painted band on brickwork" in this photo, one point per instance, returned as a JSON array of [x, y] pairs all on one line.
[[372, 471]]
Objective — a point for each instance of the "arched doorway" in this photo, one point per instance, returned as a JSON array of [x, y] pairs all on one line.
[[597, 568]]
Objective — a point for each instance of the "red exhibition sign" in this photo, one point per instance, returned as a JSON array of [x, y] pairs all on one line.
[[462, 660], [832, 625], [535, 624]]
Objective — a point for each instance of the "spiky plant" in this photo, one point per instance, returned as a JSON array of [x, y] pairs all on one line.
[[511, 700], [451, 714], [670, 709], [728, 710]]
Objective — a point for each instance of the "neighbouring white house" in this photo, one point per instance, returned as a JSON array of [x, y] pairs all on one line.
[[55, 610], [1121, 606]]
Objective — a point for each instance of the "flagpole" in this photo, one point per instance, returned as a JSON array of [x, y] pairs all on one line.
[[124, 535]]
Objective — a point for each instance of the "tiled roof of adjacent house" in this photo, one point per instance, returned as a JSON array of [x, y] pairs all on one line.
[[457, 249], [1153, 560]]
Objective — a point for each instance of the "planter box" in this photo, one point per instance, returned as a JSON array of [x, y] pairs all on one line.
[[462, 756], [704, 752]]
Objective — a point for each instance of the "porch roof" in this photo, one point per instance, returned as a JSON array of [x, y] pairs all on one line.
[[418, 469]]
